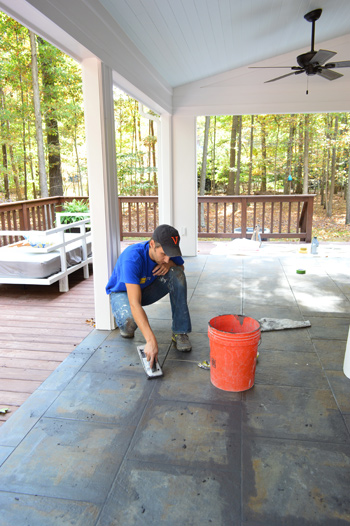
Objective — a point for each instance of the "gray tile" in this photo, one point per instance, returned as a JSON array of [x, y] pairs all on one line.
[[66, 459], [287, 340], [200, 321], [313, 304], [150, 494], [120, 357], [26, 416], [200, 305], [290, 368], [329, 327], [65, 372], [290, 412], [212, 287], [189, 434], [159, 310], [5, 451], [347, 422], [42, 511], [331, 353], [278, 296], [273, 311], [293, 482], [103, 397], [185, 381], [200, 349], [340, 385], [92, 341], [161, 328]]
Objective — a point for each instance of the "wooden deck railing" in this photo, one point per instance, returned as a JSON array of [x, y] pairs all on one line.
[[279, 216], [38, 214]]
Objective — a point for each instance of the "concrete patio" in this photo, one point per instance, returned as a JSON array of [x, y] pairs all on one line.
[[99, 444]]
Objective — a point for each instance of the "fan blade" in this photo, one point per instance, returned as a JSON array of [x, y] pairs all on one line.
[[322, 56], [329, 74], [270, 67], [283, 76], [342, 64]]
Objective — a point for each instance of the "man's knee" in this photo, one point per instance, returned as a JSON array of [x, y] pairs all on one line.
[[178, 273], [128, 328]]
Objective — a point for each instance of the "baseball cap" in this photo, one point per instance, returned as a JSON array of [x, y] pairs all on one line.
[[169, 238]]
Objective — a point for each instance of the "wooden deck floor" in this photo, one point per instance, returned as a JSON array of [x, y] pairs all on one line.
[[39, 328]]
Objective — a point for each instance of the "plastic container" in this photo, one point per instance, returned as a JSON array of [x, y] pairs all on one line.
[[314, 245], [234, 341]]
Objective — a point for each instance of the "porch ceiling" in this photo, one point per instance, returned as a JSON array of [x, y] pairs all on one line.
[[192, 56], [188, 40]]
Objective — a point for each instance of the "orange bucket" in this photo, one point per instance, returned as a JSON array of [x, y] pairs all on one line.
[[234, 341]]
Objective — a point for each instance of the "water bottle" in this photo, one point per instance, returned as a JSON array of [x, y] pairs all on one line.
[[314, 245]]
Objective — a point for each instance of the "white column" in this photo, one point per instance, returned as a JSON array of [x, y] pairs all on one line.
[[101, 157], [185, 182], [165, 178]]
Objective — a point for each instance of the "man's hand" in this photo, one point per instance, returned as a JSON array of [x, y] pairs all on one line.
[[151, 351], [161, 270]]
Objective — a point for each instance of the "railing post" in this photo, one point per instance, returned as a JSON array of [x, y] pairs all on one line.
[[121, 218], [244, 217], [309, 214]]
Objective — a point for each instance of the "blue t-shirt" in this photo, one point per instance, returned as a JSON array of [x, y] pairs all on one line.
[[134, 266]]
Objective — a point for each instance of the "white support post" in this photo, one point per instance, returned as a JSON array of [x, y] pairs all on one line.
[[165, 178], [346, 366], [185, 182], [101, 156]]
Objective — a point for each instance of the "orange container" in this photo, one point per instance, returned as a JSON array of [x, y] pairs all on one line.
[[234, 341]]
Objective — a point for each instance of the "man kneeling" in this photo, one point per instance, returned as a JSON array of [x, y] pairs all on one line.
[[144, 273]]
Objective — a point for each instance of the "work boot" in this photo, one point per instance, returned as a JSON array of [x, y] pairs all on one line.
[[182, 342], [128, 329]]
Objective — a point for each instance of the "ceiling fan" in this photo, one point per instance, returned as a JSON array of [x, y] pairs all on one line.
[[313, 62]]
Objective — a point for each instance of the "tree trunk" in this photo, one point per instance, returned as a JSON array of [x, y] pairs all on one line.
[[38, 121], [276, 152], [251, 155], [80, 183], [213, 160], [299, 167], [263, 155], [31, 162], [323, 177], [232, 169], [153, 159], [14, 170], [287, 186], [47, 64], [204, 165], [306, 154], [347, 216], [334, 160], [239, 152], [4, 153]]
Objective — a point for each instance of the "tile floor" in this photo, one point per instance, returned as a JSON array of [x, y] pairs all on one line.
[[98, 444]]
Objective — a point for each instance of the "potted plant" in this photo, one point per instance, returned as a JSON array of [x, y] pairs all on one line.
[[76, 207]]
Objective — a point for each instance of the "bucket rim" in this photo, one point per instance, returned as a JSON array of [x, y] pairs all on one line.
[[230, 314]]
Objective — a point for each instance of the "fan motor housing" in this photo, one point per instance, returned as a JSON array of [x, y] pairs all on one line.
[[304, 59]]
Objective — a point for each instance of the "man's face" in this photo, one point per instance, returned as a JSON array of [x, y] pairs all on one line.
[[157, 254]]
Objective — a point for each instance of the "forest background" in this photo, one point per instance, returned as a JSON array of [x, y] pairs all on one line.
[[43, 139]]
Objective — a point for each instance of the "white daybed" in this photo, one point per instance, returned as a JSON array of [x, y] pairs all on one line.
[[44, 257]]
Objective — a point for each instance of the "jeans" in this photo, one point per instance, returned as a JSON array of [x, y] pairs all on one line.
[[173, 283]]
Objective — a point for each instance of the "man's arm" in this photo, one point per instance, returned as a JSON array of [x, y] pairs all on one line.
[[141, 320]]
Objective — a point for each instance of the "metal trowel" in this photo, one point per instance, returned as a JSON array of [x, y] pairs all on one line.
[[151, 372]]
